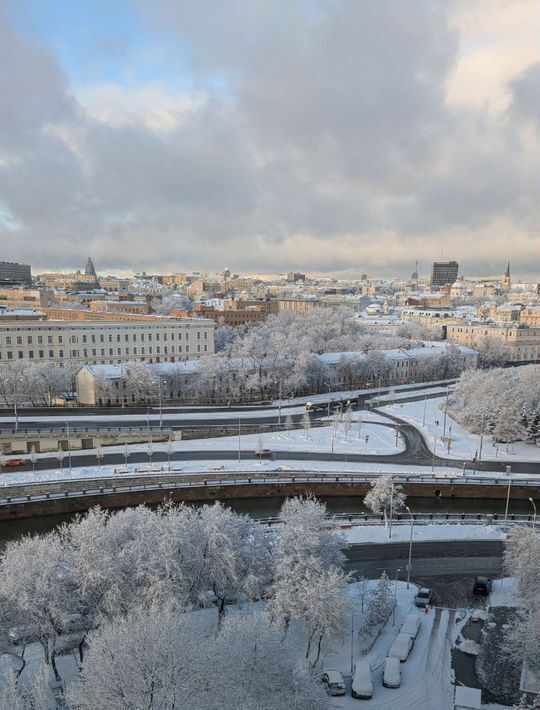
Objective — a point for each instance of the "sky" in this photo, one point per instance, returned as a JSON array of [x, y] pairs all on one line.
[[332, 137]]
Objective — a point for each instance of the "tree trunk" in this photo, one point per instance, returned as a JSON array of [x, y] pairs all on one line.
[[53, 665], [318, 649]]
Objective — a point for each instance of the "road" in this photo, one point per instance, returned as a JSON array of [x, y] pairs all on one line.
[[446, 567]]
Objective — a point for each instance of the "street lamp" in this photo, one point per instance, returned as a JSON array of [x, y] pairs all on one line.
[[329, 390], [534, 516], [445, 409], [409, 564], [68, 444], [509, 474], [395, 598], [391, 508]]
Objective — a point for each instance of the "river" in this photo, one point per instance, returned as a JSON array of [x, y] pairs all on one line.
[[269, 507]]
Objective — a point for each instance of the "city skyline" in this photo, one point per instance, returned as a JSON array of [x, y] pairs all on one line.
[[156, 135]]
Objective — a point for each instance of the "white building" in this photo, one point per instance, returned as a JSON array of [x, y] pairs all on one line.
[[105, 342]]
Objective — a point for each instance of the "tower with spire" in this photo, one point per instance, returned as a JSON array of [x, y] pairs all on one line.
[[90, 269], [506, 280]]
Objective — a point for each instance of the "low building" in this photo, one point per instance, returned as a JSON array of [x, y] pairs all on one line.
[[67, 343], [141, 308], [24, 298], [523, 342], [109, 384]]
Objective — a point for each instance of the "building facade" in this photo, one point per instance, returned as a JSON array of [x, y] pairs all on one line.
[[443, 273], [107, 342], [523, 343], [13, 274]]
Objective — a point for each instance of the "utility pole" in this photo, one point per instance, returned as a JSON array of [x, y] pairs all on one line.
[[391, 509], [409, 564], [239, 439], [534, 516], [445, 409], [509, 474], [433, 457], [425, 405], [69, 444], [395, 598], [481, 435]]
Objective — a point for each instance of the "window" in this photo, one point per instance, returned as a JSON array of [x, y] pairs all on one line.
[[8, 340], [40, 340], [94, 353], [119, 351], [84, 338], [21, 354], [101, 338], [51, 353], [102, 351], [85, 352], [110, 351], [93, 338], [206, 348], [110, 337], [206, 335], [198, 348], [60, 339], [198, 335], [49, 340], [19, 340], [126, 338], [118, 337]]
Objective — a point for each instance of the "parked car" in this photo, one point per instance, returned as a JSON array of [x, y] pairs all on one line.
[[391, 673], [333, 681], [423, 597], [401, 647], [482, 586], [411, 625], [9, 463], [362, 685]]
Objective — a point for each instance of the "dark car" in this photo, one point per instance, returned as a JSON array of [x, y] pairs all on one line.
[[482, 586]]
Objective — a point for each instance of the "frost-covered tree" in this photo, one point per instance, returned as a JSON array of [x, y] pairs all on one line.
[[306, 547], [492, 353], [34, 579], [288, 425], [306, 421], [162, 660], [384, 496], [32, 695], [379, 604]]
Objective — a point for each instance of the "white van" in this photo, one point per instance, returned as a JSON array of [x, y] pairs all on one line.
[[401, 647], [411, 625], [362, 685], [391, 673]]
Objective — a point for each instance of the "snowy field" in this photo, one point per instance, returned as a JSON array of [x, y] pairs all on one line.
[[464, 445]]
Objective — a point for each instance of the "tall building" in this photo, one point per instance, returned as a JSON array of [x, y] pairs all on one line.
[[12, 274], [90, 269], [506, 280], [443, 273]]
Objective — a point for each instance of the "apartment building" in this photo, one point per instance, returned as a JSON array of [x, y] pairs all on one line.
[[522, 342], [25, 298], [13, 274], [106, 342]]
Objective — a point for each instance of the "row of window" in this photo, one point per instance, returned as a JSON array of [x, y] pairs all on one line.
[[74, 339], [40, 354]]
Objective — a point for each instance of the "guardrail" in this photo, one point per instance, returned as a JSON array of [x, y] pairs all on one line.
[[244, 479]]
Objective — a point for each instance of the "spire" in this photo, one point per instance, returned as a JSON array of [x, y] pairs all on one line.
[[507, 272]]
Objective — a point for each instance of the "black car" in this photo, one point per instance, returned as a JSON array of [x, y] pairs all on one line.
[[482, 586]]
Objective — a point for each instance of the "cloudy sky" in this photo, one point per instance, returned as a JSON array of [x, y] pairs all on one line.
[[327, 136]]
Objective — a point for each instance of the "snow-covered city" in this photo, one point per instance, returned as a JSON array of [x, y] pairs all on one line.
[[269, 355]]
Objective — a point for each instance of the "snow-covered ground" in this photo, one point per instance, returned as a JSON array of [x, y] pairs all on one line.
[[423, 533], [463, 445]]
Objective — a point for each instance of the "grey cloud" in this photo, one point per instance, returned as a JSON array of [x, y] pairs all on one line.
[[330, 124]]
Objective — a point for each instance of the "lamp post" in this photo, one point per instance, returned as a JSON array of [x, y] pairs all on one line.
[[391, 508], [534, 516], [395, 597], [481, 434], [409, 564], [445, 409], [329, 390], [239, 439], [509, 474], [425, 405], [68, 444], [433, 457]]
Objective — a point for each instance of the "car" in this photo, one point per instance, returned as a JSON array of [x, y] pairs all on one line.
[[411, 625], [423, 597], [333, 681], [362, 685], [391, 673], [482, 586], [9, 463], [401, 647]]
